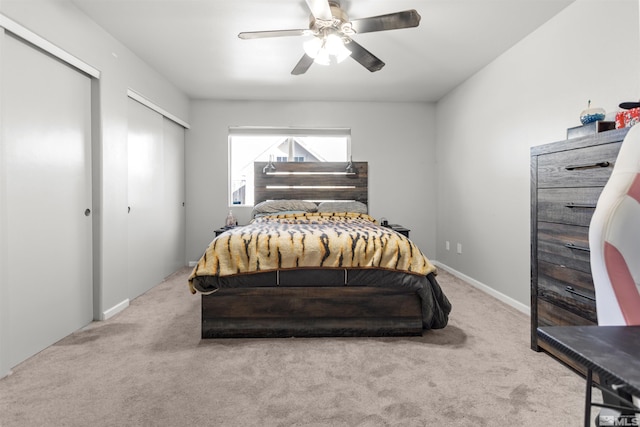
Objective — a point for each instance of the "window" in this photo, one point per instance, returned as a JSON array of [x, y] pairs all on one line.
[[249, 145]]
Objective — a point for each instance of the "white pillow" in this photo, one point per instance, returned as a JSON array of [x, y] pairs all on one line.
[[346, 206], [275, 206]]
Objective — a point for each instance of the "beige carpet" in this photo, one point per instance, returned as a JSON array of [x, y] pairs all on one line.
[[147, 366]]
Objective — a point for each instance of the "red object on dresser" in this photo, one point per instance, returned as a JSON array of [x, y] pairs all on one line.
[[627, 118]]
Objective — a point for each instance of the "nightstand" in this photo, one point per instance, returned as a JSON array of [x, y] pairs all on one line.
[[400, 229]]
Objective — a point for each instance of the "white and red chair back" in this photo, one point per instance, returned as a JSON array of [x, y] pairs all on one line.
[[614, 239]]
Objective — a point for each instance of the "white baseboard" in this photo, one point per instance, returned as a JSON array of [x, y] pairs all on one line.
[[487, 289], [107, 314]]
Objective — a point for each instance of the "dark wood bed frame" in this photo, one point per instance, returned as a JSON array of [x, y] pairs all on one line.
[[305, 311]]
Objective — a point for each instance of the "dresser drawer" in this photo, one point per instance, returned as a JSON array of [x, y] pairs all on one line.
[[572, 206], [565, 245], [583, 167], [567, 288], [552, 315]]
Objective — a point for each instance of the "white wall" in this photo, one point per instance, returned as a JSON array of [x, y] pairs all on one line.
[[62, 24], [397, 139], [528, 96]]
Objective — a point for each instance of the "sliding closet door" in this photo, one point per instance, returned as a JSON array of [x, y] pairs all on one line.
[[173, 139], [46, 129], [156, 194], [146, 193]]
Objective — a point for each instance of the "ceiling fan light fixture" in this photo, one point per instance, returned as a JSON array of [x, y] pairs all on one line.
[[334, 45], [323, 57], [325, 49], [312, 47], [343, 54]]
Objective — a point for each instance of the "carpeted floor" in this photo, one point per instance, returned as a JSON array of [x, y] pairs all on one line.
[[147, 366]]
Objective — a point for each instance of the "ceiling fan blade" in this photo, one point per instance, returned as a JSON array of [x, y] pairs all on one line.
[[273, 33], [320, 9], [367, 59], [303, 65], [392, 21]]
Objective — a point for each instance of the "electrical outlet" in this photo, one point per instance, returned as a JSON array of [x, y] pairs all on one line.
[[446, 245], [459, 248]]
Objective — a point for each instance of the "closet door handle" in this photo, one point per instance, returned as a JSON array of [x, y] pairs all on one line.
[[580, 294], [576, 247], [572, 205], [588, 166], [87, 212]]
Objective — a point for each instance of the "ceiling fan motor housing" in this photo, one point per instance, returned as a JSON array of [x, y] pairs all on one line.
[[340, 22]]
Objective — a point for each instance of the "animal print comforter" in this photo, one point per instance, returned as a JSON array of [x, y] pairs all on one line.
[[310, 240]]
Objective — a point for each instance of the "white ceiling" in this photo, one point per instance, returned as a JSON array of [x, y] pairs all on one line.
[[194, 44]]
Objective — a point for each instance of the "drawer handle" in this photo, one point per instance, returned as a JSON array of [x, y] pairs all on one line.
[[588, 166], [580, 205], [576, 247], [573, 291]]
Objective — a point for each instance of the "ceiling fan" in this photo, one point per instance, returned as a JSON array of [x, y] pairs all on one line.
[[332, 31]]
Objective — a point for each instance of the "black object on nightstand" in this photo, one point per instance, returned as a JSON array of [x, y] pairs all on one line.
[[221, 230], [400, 229]]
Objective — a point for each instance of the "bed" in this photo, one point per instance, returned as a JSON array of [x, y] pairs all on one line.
[[314, 263]]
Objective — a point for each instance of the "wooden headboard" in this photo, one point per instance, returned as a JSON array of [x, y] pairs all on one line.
[[315, 181]]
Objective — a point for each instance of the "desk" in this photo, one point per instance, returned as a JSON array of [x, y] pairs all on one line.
[[613, 352]]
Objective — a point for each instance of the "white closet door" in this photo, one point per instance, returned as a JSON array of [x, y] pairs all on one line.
[[146, 239], [156, 195], [46, 145], [173, 139]]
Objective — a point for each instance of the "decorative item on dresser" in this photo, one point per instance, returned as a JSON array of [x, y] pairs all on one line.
[[567, 178]]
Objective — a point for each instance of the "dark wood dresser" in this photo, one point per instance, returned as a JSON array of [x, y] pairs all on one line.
[[566, 180]]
